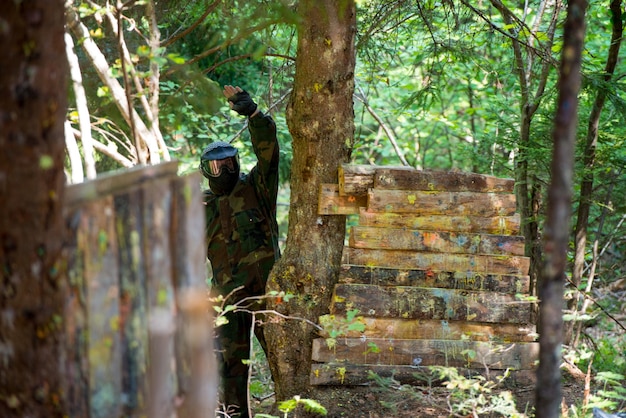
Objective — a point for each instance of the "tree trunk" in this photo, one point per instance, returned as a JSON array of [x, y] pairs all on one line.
[[548, 391], [32, 113], [320, 116], [586, 187]]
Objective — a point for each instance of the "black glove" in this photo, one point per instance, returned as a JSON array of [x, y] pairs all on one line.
[[242, 103]]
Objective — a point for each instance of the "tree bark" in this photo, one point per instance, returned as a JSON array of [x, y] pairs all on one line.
[[33, 104], [556, 231], [586, 186], [320, 117]]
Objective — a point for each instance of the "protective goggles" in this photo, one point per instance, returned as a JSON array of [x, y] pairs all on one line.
[[214, 167]]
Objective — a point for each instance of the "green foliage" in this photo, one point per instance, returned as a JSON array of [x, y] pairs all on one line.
[[476, 396], [291, 405], [336, 327]]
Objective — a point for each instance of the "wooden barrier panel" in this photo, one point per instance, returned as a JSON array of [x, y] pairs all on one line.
[[135, 241], [441, 203], [433, 274], [409, 302], [357, 179], [435, 329], [435, 241], [431, 352], [468, 280], [478, 263], [502, 225]]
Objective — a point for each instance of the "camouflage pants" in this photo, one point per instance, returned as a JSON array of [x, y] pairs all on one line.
[[233, 346]]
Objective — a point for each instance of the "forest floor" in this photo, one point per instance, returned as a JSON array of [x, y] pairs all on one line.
[[401, 401]]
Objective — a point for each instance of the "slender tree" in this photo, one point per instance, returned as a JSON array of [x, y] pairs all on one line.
[[32, 113], [589, 157], [321, 121], [548, 393]]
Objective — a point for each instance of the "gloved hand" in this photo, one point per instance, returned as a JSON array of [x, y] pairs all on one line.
[[242, 103]]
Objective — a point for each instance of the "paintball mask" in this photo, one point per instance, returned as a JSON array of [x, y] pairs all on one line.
[[219, 163]]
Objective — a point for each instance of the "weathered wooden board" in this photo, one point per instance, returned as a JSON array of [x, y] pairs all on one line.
[[383, 276], [435, 329], [451, 181], [449, 353], [435, 241], [503, 225], [346, 374], [157, 195], [97, 240], [428, 303], [481, 264], [133, 301], [356, 179], [441, 203], [331, 203], [188, 268]]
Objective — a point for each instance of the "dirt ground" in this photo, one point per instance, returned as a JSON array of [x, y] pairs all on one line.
[[415, 402]]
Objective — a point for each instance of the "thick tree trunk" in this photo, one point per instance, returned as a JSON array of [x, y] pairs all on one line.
[[320, 116], [32, 112], [589, 157], [548, 391]]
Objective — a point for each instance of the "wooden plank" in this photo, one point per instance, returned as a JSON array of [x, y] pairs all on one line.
[[383, 276], [133, 301], [441, 203], [188, 267], [434, 241], [161, 296], [451, 181], [76, 318], [429, 329], [428, 303], [503, 225], [449, 353], [345, 374], [356, 179], [331, 203], [101, 273], [475, 263]]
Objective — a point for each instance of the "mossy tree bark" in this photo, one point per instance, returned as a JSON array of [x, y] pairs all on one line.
[[320, 116], [556, 230], [33, 100]]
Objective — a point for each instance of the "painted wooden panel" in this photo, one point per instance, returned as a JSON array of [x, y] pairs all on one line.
[[481, 264], [428, 303], [503, 225], [133, 301], [97, 241], [451, 181], [441, 203], [436, 329], [331, 203], [468, 280], [435, 241], [346, 374], [136, 240], [356, 179], [449, 353]]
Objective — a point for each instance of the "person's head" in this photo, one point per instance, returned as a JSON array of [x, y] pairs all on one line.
[[219, 163]]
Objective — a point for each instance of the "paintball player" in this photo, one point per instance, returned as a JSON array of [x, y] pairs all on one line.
[[241, 238]]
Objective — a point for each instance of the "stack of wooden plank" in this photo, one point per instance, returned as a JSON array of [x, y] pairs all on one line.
[[435, 267]]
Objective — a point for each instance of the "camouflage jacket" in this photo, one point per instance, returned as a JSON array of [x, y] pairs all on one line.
[[241, 228]]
